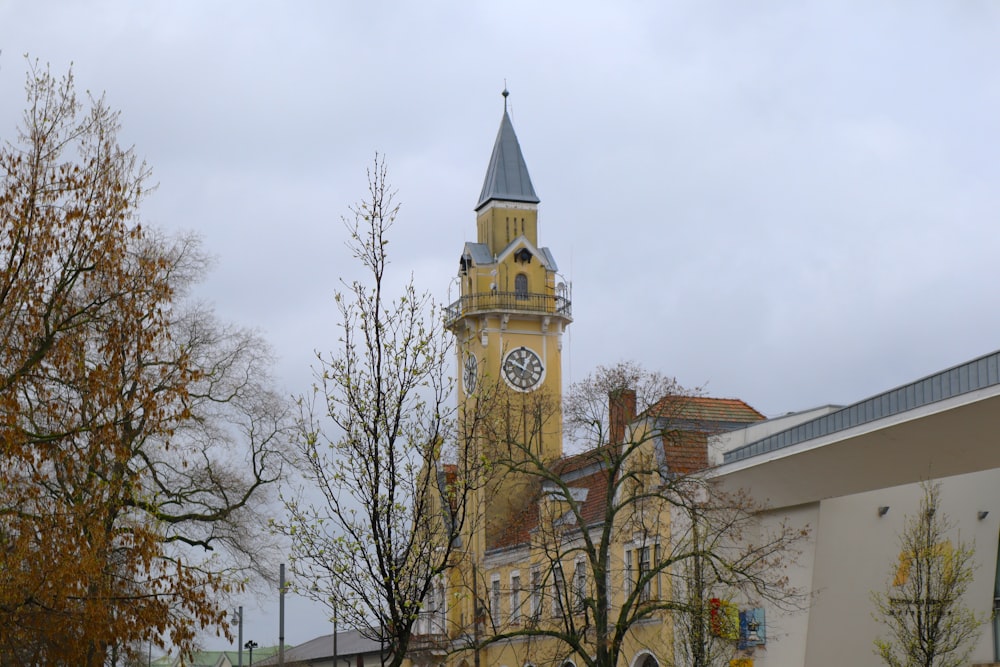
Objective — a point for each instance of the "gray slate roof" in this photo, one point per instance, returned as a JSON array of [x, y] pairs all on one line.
[[479, 253], [349, 643], [507, 175]]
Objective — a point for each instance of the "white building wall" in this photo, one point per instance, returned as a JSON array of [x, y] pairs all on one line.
[[786, 632], [852, 552]]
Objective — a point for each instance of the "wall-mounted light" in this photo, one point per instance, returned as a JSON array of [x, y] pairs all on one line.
[[883, 510], [982, 514]]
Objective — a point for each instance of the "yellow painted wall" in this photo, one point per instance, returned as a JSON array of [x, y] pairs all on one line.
[[498, 225]]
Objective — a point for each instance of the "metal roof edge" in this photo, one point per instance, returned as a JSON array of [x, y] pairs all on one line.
[[964, 378]]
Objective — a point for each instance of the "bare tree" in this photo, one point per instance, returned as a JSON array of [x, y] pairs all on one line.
[[137, 434], [383, 449], [630, 530], [922, 607]]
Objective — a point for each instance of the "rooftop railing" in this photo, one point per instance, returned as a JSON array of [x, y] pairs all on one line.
[[527, 302]]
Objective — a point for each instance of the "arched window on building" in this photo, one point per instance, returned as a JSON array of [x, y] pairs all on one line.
[[521, 286]]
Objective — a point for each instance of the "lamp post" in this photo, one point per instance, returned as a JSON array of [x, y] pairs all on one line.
[[250, 645], [239, 618]]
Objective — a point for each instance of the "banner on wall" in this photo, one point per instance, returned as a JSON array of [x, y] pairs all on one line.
[[752, 629]]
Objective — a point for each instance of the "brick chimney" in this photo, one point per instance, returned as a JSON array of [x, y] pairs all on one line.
[[621, 411]]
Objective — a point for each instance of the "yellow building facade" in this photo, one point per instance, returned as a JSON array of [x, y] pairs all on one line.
[[525, 568]]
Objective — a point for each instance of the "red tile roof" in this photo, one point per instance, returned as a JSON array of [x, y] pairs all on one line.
[[704, 408], [685, 449]]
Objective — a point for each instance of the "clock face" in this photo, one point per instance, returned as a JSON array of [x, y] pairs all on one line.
[[470, 373], [523, 369]]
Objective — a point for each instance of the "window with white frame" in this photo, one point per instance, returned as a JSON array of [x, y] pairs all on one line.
[[558, 588], [629, 575], [515, 597], [643, 578], [428, 611], [639, 563], [536, 592], [607, 579], [657, 557], [434, 610], [441, 617], [495, 600], [579, 584]]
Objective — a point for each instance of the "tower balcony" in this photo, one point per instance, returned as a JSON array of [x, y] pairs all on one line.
[[483, 303]]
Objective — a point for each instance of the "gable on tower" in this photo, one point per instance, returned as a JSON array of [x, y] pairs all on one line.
[[478, 254], [524, 251]]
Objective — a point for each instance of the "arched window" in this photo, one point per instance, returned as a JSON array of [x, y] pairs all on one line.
[[521, 286], [645, 660]]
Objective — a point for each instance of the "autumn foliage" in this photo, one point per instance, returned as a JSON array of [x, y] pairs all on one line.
[[118, 406]]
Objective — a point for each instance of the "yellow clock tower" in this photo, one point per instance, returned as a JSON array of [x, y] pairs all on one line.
[[513, 309]]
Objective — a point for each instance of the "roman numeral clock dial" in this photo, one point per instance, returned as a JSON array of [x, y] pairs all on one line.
[[523, 369]]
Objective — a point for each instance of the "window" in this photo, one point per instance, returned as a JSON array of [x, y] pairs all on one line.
[[441, 617], [607, 579], [643, 573], [515, 598], [429, 611], [521, 286], [434, 611], [558, 588], [579, 585], [628, 572], [536, 592], [495, 600], [657, 558], [637, 569]]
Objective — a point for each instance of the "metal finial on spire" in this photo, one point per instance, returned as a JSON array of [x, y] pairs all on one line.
[[505, 93]]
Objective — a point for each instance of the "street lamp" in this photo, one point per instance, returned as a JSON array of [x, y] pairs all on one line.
[[250, 645]]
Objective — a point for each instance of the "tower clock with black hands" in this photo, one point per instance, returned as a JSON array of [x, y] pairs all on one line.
[[522, 368]]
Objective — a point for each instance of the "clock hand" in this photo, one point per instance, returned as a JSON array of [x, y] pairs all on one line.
[[516, 364]]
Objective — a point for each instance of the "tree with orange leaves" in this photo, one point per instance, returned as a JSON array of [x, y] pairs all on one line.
[[137, 434]]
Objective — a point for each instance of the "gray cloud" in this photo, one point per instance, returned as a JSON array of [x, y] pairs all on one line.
[[793, 203]]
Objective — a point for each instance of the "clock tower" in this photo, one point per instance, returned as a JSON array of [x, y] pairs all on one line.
[[512, 311]]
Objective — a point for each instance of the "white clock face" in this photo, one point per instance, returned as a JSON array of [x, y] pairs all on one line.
[[470, 373], [523, 369]]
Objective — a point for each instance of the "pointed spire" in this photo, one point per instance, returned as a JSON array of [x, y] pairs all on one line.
[[507, 175]]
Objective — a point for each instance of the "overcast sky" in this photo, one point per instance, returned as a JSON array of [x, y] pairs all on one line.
[[791, 202]]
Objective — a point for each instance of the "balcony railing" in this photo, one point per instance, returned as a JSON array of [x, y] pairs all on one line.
[[472, 304]]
